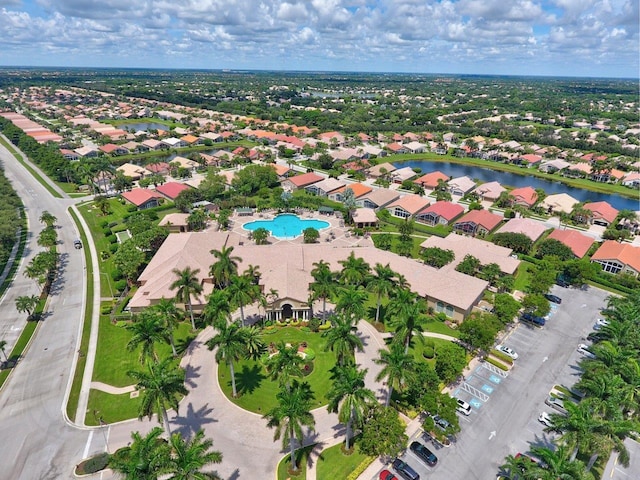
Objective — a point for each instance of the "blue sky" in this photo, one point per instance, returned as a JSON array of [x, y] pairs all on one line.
[[597, 38]]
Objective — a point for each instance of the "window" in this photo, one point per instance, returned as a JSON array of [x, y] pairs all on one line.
[[610, 266], [401, 212]]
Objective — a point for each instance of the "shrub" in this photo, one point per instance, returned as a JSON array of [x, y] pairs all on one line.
[[314, 324], [132, 208], [310, 355], [112, 224], [116, 275], [294, 323], [429, 349], [307, 369], [106, 232], [106, 309], [103, 224], [93, 464], [360, 468], [112, 239], [120, 285], [496, 363], [113, 248], [325, 326], [502, 356]]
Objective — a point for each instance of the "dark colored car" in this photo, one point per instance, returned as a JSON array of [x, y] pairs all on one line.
[[405, 470], [77, 244], [440, 422], [424, 453], [553, 298], [387, 475], [531, 318]]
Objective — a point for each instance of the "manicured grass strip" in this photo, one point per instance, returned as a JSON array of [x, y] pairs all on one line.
[[19, 348], [74, 394], [257, 393], [334, 464], [436, 326], [16, 262], [112, 408], [33, 172], [301, 455]]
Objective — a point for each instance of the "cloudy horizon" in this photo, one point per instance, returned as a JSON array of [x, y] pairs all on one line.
[[583, 38]]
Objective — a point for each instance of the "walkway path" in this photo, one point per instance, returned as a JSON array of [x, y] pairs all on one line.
[[103, 387]]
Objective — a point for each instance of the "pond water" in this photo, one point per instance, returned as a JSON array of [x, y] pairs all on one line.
[[146, 126], [514, 180], [286, 225]]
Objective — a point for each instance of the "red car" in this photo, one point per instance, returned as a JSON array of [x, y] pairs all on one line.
[[387, 475]]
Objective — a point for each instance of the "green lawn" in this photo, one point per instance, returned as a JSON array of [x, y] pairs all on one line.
[[301, 456], [522, 277], [257, 393], [112, 408], [335, 465], [418, 348], [113, 360], [437, 326]]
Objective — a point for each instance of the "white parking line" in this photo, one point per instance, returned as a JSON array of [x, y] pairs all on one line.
[[88, 445]]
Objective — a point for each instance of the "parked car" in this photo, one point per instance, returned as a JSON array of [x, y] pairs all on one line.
[[387, 475], [424, 453], [463, 407], [545, 419], [77, 244], [440, 422], [601, 322], [531, 318], [553, 298], [584, 350], [556, 403], [507, 351], [405, 470]]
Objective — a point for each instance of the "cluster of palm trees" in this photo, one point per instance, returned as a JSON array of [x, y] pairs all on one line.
[[609, 411], [42, 267]]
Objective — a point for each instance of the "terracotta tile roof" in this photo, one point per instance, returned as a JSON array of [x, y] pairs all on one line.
[[430, 180], [446, 210], [526, 226], [305, 179], [622, 252], [411, 203], [484, 218], [171, 190], [576, 241], [602, 210], [358, 189], [525, 195], [140, 196], [281, 170]]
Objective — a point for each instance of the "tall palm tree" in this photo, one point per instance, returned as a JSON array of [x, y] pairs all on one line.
[[171, 315], [253, 342], [285, 364], [381, 284], [351, 301], [147, 330], [189, 457], [145, 458], [231, 347], [161, 387], [218, 309], [556, 464], [323, 285], [349, 397], [397, 368], [225, 267], [406, 311], [355, 270], [3, 345], [242, 291], [342, 339], [26, 303], [48, 218], [291, 414], [187, 284]]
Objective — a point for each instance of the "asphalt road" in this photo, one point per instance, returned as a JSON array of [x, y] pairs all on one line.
[[37, 443], [507, 422]]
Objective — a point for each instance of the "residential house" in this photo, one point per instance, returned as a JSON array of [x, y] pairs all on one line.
[[135, 147], [559, 203], [175, 222], [529, 160], [524, 196], [381, 169], [153, 144], [324, 187], [489, 192], [365, 217], [632, 179], [415, 147], [297, 182], [142, 198], [173, 142], [171, 190], [461, 185], [378, 198], [407, 206], [214, 137], [281, 170], [359, 190], [601, 213], [70, 154], [113, 149], [332, 137], [134, 172], [396, 148], [429, 181], [618, 258], [576, 241], [372, 150], [160, 168], [87, 152], [553, 166], [400, 175], [191, 140], [183, 162], [439, 213], [477, 222], [530, 228]]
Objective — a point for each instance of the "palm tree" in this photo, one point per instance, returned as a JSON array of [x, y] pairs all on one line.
[[187, 284], [342, 339], [48, 219], [161, 387], [556, 464], [323, 285], [225, 267], [285, 364], [242, 291], [171, 315], [381, 284], [253, 342], [291, 414], [217, 311], [147, 330], [3, 345], [397, 368], [406, 311], [231, 347], [26, 303], [146, 458], [354, 270], [189, 457], [349, 397], [351, 300]]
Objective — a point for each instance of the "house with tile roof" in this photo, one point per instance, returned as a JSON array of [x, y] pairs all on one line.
[[429, 181], [407, 206], [578, 242], [402, 174], [618, 258], [477, 222], [530, 228], [330, 137], [281, 170], [113, 149], [529, 159], [134, 172], [324, 187], [396, 148], [439, 213], [297, 182], [524, 196], [142, 198], [381, 169], [559, 203], [415, 147], [153, 144], [489, 192], [160, 168], [175, 222], [173, 142], [461, 185], [87, 152], [358, 189], [378, 198], [191, 140], [631, 179], [552, 166], [365, 217], [602, 213], [171, 190]]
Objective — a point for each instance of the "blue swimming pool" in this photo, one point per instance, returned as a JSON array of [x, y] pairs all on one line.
[[286, 225]]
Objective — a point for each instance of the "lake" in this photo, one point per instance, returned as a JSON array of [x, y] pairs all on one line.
[[513, 180], [146, 126]]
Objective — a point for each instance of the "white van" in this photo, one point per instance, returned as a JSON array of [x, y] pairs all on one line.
[[463, 407]]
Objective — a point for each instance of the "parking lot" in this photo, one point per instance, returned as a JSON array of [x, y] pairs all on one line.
[[505, 407]]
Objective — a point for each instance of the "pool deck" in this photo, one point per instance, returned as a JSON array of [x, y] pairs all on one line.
[[336, 234]]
